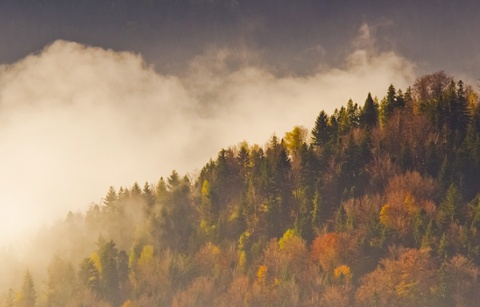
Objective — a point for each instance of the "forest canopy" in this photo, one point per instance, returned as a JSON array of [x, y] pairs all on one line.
[[377, 205]]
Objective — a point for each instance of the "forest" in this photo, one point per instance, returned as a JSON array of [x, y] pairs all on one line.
[[377, 205]]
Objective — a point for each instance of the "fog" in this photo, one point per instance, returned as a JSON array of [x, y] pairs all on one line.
[[76, 119]]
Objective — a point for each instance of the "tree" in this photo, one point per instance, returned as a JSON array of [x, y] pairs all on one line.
[[321, 133], [462, 281], [173, 225], [369, 114], [294, 141], [388, 104], [428, 88], [332, 250], [352, 114], [148, 196], [161, 191], [173, 180], [110, 199], [28, 294], [10, 298], [406, 278], [110, 285], [89, 276], [451, 205], [460, 112], [61, 285], [136, 191], [276, 176], [208, 212]]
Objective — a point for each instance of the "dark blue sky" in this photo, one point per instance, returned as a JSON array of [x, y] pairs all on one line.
[[291, 36]]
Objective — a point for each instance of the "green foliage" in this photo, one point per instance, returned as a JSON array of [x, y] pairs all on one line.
[[322, 131], [369, 113], [451, 205]]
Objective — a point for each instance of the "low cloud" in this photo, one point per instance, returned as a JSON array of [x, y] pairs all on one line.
[[76, 119]]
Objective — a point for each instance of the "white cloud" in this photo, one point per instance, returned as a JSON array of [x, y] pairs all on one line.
[[76, 119]]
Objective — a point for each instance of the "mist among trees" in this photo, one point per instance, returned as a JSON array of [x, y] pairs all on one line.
[[377, 205]]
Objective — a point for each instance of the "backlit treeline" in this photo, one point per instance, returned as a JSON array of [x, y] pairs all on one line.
[[378, 205]]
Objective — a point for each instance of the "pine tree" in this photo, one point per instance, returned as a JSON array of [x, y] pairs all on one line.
[[61, 283], [462, 110], [369, 115], [388, 105], [28, 294], [148, 196], [321, 133], [352, 114], [89, 276], [110, 200], [450, 206], [110, 286], [10, 298]]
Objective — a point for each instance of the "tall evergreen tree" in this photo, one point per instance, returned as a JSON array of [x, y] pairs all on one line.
[[88, 275], [388, 104], [111, 198], [28, 294], [321, 133], [462, 110], [369, 115], [110, 286]]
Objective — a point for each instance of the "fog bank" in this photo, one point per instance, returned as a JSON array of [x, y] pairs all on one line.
[[76, 119]]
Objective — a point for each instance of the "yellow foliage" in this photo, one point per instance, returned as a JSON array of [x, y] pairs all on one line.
[[215, 250], [206, 189], [410, 204], [128, 303], [342, 272], [262, 274], [276, 281], [286, 236], [242, 242], [146, 256], [295, 139], [242, 261], [385, 215], [96, 261]]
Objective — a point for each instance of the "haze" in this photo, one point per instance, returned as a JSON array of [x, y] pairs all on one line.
[[75, 119]]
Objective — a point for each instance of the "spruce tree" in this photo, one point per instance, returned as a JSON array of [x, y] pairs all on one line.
[[369, 115], [321, 133], [28, 295]]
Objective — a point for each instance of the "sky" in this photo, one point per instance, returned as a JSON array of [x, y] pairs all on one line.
[[96, 93]]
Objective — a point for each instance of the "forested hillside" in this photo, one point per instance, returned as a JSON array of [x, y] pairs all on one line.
[[377, 205]]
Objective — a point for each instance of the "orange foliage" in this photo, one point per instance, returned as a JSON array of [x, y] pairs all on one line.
[[419, 187], [403, 209], [342, 272], [200, 293], [331, 250], [406, 279], [337, 296], [262, 274], [463, 275]]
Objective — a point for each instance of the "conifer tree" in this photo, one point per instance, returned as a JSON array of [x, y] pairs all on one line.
[[110, 199], [89, 276], [10, 298], [462, 110], [110, 286], [321, 133], [369, 115], [28, 294], [388, 104]]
